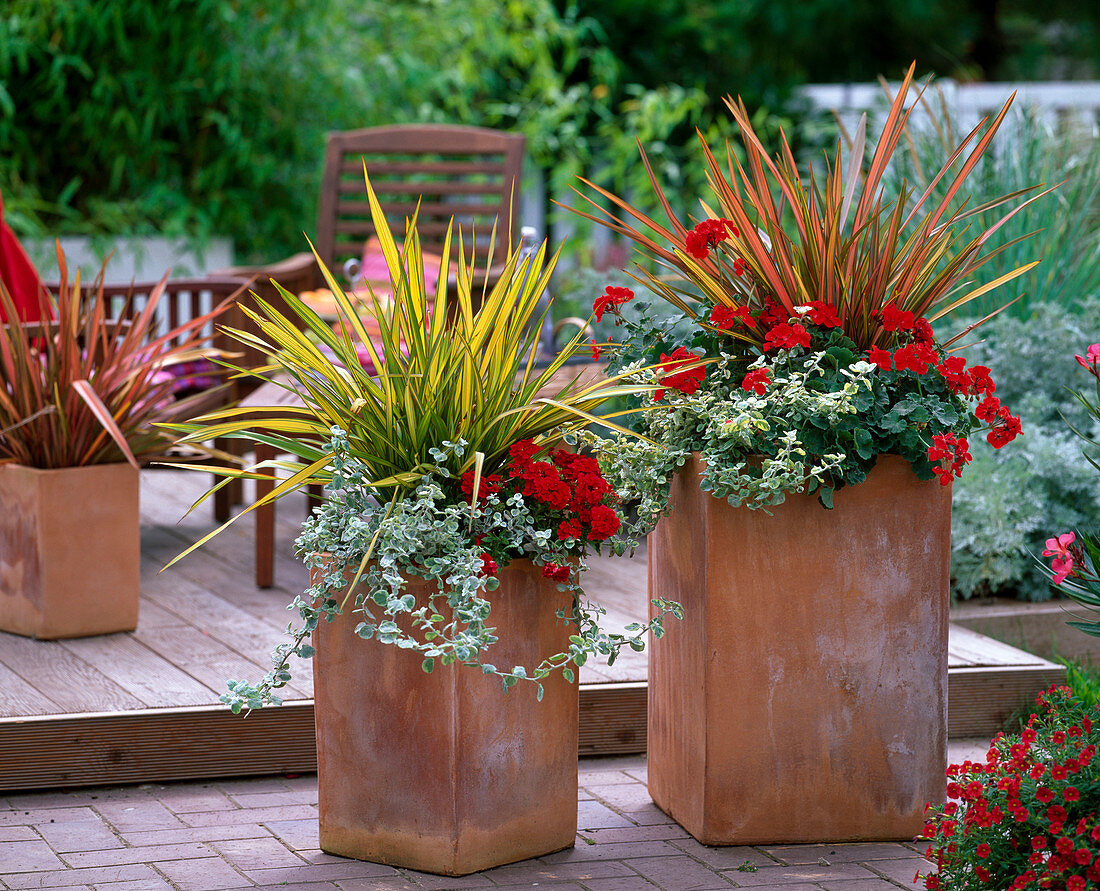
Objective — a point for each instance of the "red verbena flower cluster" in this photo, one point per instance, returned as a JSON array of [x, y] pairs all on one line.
[[686, 381], [1028, 817], [612, 298], [706, 235], [487, 485], [565, 489], [488, 565], [571, 486], [949, 455]]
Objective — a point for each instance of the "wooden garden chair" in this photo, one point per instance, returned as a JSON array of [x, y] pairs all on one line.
[[470, 174]]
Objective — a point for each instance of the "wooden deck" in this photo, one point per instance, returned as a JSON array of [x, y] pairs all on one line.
[[144, 705]]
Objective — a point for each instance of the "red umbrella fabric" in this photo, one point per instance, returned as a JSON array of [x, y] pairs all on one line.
[[19, 275]]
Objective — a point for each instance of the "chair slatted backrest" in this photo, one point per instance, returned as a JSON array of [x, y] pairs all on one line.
[[469, 173], [183, 299]]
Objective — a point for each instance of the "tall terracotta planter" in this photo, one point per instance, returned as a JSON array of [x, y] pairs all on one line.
[[70, 550], [804, 696], [445, 772]]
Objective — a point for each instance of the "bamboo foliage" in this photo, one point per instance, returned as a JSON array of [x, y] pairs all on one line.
[[80, 387], [802, 241]]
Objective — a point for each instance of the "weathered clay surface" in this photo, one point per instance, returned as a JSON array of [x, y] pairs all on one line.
[[804, 696], [70, 550], [445, 772]]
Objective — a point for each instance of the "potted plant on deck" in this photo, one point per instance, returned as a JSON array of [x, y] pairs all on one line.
[[803, 697], [453, 533], [80, 393]]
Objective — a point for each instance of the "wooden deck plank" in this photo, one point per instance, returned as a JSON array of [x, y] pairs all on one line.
[[152, 615], [17, 697], [154, 745], [972, 650], [69, 683], [243, 633], [139, 671], [207, 660]]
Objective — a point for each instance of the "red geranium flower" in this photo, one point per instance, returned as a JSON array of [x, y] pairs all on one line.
[[687, 381], [785, 336], [954, 371], [979, 374], [610, 299], [1006, 429], [894, 319], [556, 572], [725, 317], [916, 357], [949, 455], [773, 313], [987, 409], [706, 235], [756, 381], [881, 358], [823, 314]]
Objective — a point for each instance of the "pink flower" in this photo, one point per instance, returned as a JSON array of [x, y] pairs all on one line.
[[1058, 548], [1059, 545], [1089, 360], [1062, 567]]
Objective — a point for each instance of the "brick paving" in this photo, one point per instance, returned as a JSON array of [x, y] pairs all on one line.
[[262, 833]]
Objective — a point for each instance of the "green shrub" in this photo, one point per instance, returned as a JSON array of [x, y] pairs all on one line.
[[200, 117], [1065, 224], [1008, 502], [188, 117], [1084, 680]]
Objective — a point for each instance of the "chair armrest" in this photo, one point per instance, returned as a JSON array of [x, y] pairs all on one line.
[[297, 273]]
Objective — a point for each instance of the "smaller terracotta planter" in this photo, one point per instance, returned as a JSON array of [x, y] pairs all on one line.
[[445, 772], [70, 550]]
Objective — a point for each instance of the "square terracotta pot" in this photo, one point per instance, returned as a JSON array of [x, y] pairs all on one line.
[[70, 550], [803, 698], [446, 772]]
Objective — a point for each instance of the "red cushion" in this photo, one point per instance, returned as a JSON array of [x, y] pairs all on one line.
[[19, 275]]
